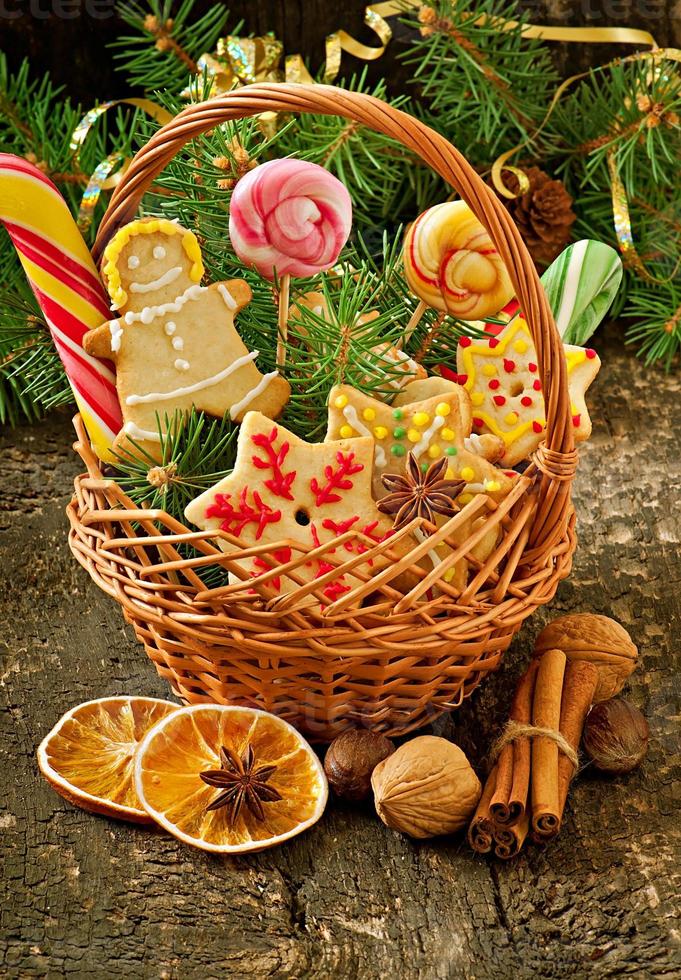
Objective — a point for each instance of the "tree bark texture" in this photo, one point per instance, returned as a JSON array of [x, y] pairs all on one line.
[[86, 897], [68, 38]]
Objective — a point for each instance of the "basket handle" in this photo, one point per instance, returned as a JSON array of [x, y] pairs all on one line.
[[435, 151]]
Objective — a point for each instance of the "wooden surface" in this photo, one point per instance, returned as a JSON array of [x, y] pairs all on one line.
[[86, 897]]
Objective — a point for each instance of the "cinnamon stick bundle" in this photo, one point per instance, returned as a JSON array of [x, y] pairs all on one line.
[[509, 840], [484, 834], [526, 790]]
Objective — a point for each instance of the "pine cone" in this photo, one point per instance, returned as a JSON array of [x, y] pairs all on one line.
[[543, 214]]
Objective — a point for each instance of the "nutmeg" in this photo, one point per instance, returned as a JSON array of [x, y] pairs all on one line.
[[598, 639], [426, 788], [350, 760], [615, 736]]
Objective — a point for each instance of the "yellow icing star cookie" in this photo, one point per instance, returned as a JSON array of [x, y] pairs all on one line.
[[284, 490], [429, 428], [174, 341], [500, 373]]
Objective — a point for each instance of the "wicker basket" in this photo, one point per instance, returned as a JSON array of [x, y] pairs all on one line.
[[374, 657]]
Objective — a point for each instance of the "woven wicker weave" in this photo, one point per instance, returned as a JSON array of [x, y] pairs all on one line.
[[374, 657]]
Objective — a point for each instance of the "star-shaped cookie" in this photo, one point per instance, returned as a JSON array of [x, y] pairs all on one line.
[[283, 489], [500, 374], [430, 428], [490, 447]]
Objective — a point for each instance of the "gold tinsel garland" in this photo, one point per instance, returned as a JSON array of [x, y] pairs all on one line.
[[241, 61]]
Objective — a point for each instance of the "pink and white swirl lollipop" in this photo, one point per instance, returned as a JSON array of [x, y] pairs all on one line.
[[289, 218]]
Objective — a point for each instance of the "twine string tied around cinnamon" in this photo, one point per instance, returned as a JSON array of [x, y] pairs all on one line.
[[514, 730]]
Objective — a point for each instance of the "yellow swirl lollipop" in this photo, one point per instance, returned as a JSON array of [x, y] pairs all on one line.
[[452, 265]]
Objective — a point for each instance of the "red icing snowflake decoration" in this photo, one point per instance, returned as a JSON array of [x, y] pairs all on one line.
[[335, 479]]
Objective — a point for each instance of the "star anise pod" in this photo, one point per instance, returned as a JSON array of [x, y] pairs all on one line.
[[241, 782], [418, 494]]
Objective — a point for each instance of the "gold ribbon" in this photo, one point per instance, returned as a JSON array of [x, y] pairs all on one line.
[[580, 35], [340, 41], [105, 175], [241, 61]]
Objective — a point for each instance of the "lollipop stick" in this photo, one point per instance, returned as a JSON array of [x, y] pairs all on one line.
[[414, 321], [429, 337], [282, 330]]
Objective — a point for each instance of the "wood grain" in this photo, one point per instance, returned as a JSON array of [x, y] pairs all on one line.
[[85, 897]]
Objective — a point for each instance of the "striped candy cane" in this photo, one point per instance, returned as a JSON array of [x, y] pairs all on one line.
[[64, 279]]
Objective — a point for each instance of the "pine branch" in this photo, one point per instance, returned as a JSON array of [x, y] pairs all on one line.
[[32, 378], [488, 88], [166, 45], [656, 331], [40, 124], [196, 452], [630, 111]]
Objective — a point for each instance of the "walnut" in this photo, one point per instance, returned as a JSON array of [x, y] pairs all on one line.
[[598, 639], [426, 788]]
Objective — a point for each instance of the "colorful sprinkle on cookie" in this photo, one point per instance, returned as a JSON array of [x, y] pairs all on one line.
[[432, 427]]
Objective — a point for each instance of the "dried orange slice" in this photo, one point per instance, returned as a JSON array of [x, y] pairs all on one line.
[[229, 779], [88, 756]]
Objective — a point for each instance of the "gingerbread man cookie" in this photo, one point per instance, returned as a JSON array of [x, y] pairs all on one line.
[[284, 490], [430, 428], [500, 373], [174, 341]]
